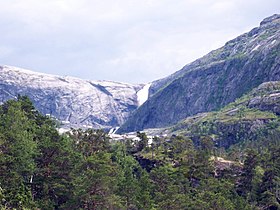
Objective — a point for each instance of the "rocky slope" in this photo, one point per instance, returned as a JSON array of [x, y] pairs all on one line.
[[252, 117], [74, 102], [247, 118], [214, 80]]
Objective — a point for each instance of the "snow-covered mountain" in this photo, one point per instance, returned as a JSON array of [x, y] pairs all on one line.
[[74, 102]]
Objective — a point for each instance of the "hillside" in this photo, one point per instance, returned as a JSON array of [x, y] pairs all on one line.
[[250, 118], [74, 102], [85, 169], [214, 80]]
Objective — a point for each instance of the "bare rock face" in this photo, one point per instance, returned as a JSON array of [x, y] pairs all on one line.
[[266, 97], [249, 118], [214, 80], [74, 102]]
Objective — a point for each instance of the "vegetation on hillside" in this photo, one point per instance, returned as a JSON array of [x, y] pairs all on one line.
[[85, 169]]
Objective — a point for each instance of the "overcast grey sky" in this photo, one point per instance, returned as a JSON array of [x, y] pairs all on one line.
[[135, 41]]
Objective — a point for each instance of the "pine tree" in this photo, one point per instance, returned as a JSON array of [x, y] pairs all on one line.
[[245, 184], [143, 142], [95, 173], [18, 150], [270, 185]]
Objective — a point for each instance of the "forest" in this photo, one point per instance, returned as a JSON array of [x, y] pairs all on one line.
[[86, 169]]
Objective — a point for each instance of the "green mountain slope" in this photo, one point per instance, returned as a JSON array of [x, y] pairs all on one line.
[[249, 118]]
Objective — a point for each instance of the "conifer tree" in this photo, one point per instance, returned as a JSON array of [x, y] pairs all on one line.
[[18, 150]]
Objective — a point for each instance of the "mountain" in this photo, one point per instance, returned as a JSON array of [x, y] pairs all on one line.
[[74, 102], [214, 80], [253, 116]]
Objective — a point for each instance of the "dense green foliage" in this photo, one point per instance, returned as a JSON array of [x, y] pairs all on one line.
[[41, 169]]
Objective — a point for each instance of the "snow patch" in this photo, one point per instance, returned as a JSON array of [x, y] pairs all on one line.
[[63, 130], [113, 130], [143, 94], [255, 48], [273, 42], [65, 122], [274, 94]]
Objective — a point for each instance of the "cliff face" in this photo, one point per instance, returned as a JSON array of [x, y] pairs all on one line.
[[266, 97], [74, 102], [251, 117], [214, 80]]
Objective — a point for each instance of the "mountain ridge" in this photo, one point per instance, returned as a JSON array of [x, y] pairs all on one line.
[[214, 80], [212, 56], [204, 85], [74, 102]]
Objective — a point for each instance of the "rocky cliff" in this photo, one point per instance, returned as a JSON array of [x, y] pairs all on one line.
[[251, 117], [214, 80], [74, 102]]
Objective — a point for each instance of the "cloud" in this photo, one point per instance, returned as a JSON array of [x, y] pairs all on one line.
[[123, 40]]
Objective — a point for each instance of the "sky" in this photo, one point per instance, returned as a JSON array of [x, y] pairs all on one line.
[[133, 41]]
